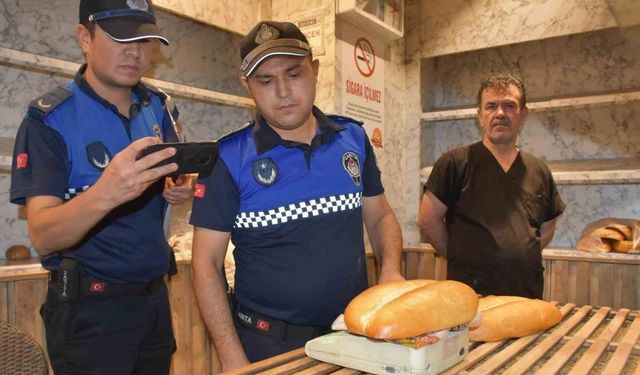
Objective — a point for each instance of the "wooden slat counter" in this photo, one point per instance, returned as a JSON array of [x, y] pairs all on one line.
[[588, 340], [23, 286], [599, 279]]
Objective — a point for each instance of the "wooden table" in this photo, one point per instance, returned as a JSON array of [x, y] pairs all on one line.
[[588, 340]]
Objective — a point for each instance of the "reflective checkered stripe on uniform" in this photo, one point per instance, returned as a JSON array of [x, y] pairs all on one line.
[[73, 192], [300, 210]]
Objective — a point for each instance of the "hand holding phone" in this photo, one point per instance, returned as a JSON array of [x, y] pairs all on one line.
[[191, 157]]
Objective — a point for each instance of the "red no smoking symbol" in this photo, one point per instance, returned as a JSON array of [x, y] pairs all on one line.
[[364, 57]]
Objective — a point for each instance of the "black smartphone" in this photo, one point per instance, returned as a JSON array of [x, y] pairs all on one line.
[[191, 157]]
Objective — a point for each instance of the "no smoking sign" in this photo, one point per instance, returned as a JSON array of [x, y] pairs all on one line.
[[364, 57]]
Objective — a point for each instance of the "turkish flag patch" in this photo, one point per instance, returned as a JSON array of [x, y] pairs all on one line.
[[21, 161], [263, 325], [97, 287], [200, 191]]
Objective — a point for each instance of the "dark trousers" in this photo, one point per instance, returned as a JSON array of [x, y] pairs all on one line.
[[263, 337], [129, 335]]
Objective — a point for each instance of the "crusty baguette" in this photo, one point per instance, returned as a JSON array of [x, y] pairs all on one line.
[[359, 312], [410, 308], [515, 319], [490, 302]]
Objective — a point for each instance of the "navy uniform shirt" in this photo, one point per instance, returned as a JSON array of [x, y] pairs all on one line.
[[295, 216], [63, 145], [494, 219]]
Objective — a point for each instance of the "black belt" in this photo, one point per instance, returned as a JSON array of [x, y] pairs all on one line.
[[276, 328], [92, 287]]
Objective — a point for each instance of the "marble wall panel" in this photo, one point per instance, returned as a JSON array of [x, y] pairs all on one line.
[[14, 228], [291, 10], [602, 132], [18, 87], [461, 25], [412, 131], [236, 16], [626, 12], [588, 203], [577, 65]]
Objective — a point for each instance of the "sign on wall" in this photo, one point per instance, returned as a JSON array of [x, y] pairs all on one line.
[[363, 81], [312, 26]]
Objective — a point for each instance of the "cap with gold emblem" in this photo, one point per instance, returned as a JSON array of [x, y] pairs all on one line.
[[269, 38], [123, 20]]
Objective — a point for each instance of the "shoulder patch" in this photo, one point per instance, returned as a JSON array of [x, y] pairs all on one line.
[[158, 92], [234, 132], [49, 101], [344, 119]]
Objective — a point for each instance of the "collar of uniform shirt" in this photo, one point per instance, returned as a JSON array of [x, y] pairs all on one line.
[[266, 138], [141, 92]]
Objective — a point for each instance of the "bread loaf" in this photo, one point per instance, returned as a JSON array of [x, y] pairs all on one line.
[[610, 233], [406, 309], [625, 247], [18, 252], [516, 318], [490, 302], [626, 230]]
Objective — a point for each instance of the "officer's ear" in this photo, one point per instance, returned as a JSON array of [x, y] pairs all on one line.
[[84, 38], [245, 83]]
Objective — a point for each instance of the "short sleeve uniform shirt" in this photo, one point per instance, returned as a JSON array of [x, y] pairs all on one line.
[[295, 216]]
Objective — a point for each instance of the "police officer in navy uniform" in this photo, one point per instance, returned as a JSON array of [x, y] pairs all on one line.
[[95, 209], [291, 190]]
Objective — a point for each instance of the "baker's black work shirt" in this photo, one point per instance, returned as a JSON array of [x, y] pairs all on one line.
[[494, 219]]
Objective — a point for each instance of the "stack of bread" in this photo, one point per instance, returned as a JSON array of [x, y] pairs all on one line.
[[503, 317], [603, 236], [408, 309]]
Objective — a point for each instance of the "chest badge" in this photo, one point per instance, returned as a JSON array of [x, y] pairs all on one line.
[[351, 164], [157, 132], [98, 155], [265, 171]]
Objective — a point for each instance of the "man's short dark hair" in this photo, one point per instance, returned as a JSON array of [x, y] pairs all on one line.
[[502, 82]]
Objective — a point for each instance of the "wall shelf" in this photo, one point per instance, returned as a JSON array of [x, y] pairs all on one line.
[[381, 18], [575, 102], [585, 172], [50, 65], [6, 154]]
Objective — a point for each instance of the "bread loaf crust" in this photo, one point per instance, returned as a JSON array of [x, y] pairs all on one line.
[[410, 308], [18, 252], [490, 302], [515, 319]]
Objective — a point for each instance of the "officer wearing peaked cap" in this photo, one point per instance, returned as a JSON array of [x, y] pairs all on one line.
[[95, 211], [291, 190]]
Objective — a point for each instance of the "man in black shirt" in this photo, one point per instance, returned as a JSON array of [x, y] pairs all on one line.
[[490, 208]]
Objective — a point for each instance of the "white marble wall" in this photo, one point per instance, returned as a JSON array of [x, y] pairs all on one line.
[[290, 10], [461, 25], [200, 56], [236, 16], [579, 65]]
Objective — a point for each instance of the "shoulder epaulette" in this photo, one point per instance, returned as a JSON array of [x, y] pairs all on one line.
[[163, 95], [343, 119], [235, 131], [46, 103]]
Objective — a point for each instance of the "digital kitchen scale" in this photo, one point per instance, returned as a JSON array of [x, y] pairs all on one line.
[[387, 358]]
